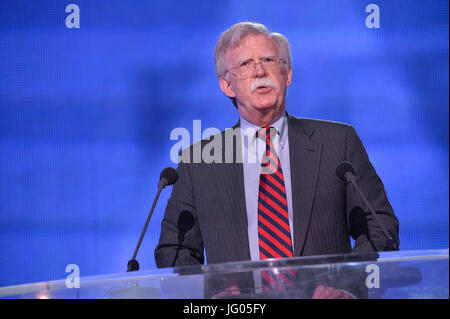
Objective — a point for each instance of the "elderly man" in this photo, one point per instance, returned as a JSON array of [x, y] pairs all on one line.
[[289, 202]]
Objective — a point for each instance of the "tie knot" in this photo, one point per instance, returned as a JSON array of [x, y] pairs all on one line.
[[266, 133]]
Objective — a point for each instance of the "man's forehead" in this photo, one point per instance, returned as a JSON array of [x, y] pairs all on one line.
[[252, 44]]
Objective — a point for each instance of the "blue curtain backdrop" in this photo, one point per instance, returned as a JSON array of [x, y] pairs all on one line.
[[86, 114]]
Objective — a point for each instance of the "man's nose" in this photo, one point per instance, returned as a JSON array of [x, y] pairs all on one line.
[[259, 70]]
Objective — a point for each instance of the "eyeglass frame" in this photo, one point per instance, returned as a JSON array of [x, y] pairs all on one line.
[[276, 58]]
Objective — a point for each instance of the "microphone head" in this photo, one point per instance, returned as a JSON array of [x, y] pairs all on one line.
[[343, 168], [170, 175]]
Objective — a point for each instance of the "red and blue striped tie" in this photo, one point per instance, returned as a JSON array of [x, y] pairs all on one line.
[[273, 220]]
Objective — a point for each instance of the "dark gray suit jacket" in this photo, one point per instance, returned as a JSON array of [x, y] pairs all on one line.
[[206, 210]]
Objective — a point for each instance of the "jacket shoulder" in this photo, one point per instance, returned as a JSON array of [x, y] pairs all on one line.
[[320, 129], [320, 124]]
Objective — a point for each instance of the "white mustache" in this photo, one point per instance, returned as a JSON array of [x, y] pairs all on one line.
[[262, 82]]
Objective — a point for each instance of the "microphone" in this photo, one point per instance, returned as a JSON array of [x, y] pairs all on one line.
[[168, 177], [346, 172]]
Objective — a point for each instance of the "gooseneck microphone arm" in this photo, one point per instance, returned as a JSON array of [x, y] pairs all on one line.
[[345, 171], [168, 176], [133, 264]]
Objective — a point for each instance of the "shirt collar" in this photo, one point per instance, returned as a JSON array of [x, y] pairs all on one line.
[[280, 124]]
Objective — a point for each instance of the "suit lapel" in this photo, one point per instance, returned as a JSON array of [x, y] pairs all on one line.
[[304, 158], [230, 182]]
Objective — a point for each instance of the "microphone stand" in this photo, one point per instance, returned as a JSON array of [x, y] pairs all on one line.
[[133, 263], [390, 243]]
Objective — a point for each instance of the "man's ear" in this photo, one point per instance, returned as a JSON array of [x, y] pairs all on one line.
[[289, 77], [225, 86]]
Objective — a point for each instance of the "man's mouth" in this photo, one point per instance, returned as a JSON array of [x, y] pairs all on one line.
[[262, 86], [263, 89]]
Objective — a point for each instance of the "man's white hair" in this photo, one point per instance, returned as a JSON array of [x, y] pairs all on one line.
[[232, 37]]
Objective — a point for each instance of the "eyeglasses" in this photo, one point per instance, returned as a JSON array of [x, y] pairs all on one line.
[[247, 67]]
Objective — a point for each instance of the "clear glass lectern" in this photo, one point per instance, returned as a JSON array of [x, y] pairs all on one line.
[[392, 275]]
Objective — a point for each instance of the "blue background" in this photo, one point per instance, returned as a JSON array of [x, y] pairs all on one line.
[[86, 114]]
